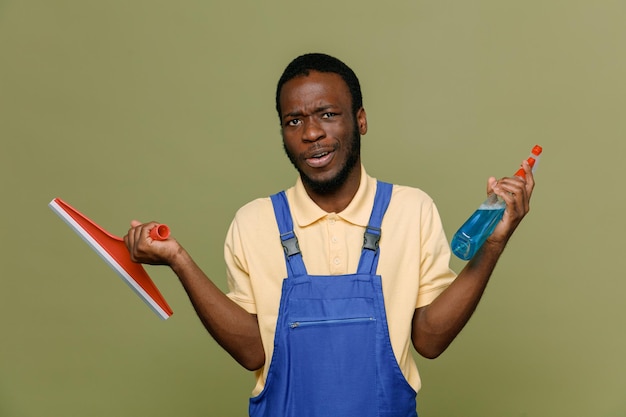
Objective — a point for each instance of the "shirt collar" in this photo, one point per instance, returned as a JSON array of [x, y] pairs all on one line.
[[305, 212]]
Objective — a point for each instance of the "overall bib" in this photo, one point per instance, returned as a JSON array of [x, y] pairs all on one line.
[[332, 354]]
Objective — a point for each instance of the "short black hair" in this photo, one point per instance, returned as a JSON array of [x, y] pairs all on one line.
[[302, 65]]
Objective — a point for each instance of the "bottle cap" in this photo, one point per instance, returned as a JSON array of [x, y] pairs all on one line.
[[536, 151]]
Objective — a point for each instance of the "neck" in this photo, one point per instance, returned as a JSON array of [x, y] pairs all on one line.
[[336, 201]]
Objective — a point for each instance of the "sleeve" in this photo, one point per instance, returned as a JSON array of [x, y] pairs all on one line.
[[237, 272], [436, 274]]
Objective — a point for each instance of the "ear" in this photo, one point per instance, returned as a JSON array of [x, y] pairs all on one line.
[[361, 120]]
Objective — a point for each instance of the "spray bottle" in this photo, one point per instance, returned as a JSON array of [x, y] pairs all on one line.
[[471, 236]]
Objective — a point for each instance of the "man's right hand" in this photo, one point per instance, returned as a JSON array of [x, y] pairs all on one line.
[[144, 249]]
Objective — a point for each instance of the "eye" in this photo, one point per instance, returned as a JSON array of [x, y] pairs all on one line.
[[293, 122], [328, 115]]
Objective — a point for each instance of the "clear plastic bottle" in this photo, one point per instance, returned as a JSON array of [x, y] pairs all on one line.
[[471, 236]]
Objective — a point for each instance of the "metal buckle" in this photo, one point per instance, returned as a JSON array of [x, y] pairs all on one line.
[[290, 245], [370, 240]]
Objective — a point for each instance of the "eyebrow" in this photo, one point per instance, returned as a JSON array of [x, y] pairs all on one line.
[[319, 109]]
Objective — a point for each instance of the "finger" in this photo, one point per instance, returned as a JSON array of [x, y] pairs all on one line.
[[491, 184], [519, 195], [512, 191], [136, 233], [129, 238], [129, 241], [530, 178], [141, 232], [136, 241]]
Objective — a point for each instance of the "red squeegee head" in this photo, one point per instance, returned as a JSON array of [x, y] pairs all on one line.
[[114, 252]]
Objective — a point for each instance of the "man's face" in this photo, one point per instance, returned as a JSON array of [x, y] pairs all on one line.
[[321, 135]]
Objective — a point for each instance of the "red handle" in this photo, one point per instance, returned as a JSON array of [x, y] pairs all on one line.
[[160, 232]]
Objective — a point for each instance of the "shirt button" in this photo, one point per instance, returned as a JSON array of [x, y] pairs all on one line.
[[331, 221], [337, 261], [333, 239]]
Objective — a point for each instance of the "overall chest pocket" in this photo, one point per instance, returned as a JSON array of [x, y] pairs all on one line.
[[329, 322], [332, 346]]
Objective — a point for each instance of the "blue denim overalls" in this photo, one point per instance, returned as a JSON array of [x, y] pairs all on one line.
[[332, 355]]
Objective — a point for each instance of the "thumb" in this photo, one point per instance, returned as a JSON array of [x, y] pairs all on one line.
[[491, 184], [134, 223]]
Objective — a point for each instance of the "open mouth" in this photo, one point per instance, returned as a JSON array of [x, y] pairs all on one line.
[[320, 155], [320, 159]]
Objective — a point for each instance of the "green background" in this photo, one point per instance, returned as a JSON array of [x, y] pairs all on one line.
[[164, 111]]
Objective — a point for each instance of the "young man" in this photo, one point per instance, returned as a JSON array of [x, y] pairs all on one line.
[[332, 281]]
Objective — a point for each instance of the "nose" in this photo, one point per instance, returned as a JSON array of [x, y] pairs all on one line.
[[312, 131]]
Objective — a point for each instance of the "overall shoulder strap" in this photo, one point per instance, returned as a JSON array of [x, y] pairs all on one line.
[[293, 256], [369, 255]]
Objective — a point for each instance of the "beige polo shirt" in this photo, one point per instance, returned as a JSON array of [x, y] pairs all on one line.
[[413, 262]]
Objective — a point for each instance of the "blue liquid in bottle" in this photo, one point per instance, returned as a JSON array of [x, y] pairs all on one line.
[[471, 236]]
